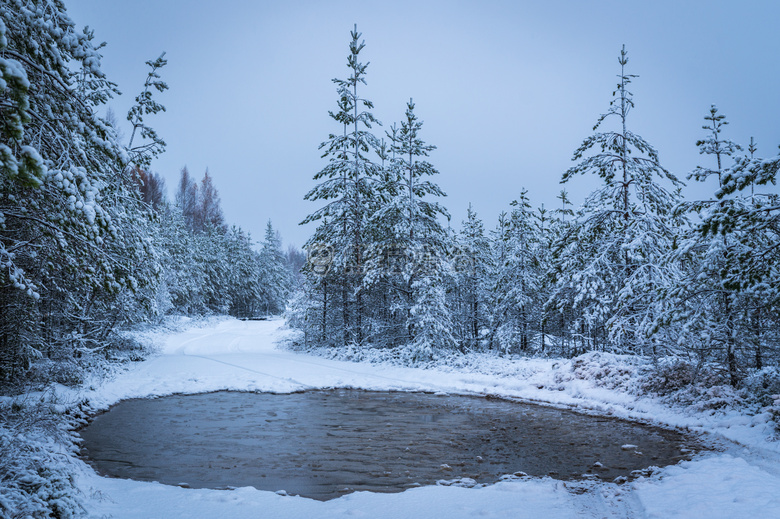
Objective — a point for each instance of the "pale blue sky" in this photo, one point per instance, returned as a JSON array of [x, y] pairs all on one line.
[[507, 90]]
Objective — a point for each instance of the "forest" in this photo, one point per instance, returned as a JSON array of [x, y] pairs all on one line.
[[89, 244], [636, 269]]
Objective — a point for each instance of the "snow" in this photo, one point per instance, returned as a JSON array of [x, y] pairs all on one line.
[[716, 487], [741, 479]]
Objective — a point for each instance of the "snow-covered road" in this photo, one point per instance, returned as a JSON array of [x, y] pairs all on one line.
[[741, 481]]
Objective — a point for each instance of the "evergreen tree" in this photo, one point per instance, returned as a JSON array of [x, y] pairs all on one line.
[[518, 280], [73, 231], [472, 269], [151, 144], [610, 256], [210, 206], [726, 293], [274, 275], [348, 184], [408, 223], [183, 277], [558, 311], [714, 145]]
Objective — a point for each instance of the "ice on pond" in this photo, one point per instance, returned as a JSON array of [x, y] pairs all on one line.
[[322, 444]]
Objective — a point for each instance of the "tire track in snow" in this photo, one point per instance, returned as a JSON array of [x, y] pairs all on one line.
[[285, 379]]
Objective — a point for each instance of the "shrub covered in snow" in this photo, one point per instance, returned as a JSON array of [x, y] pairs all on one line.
[[414, 355], [35, 467], [121, 347], [763, 386], [672, 374], [608, 370]]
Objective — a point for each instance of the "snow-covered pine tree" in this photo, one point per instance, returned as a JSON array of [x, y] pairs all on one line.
[[74, 248], [544, 227], [409, 224], [149, 144], [347, 183], [472, 266], [275, 281], [753, 269], [557, 316], [517, 309], [72, 238], [713, 144], [727, 292], [386, 258], [706, 307], [136, 223], [609, 259], [406, 205]]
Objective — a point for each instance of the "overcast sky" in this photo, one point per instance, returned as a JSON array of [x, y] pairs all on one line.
[[507, 89]]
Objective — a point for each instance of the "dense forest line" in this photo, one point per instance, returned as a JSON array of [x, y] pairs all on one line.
[[88, 241], [636, 269]]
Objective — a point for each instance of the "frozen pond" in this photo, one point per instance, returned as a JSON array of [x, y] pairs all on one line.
[[322, 444]]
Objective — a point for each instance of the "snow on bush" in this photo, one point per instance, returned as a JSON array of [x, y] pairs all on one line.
[[673, 374], [36, 465], [698, 386], [608, 370], [763, 386], [62, 367]]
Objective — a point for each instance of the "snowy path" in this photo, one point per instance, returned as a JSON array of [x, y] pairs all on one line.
[[741, 482]]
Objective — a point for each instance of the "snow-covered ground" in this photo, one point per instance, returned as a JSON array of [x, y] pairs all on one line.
[[741, 479]]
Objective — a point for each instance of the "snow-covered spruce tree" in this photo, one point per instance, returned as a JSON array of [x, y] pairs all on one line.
[[182, 277], [406, 224], [242, 288], [517, 308], [471, 262], [347, 184], [609, 259], [274, 277], [212, 256], [557, 316]]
